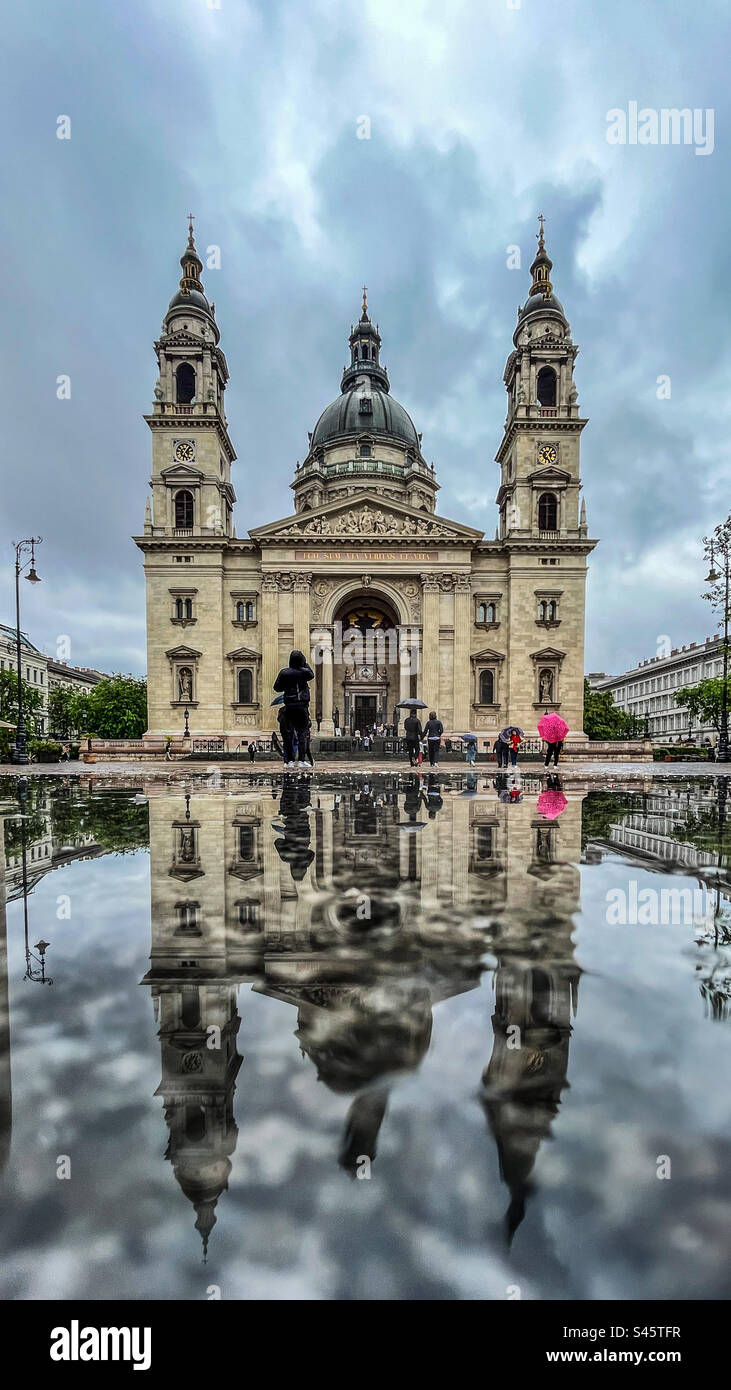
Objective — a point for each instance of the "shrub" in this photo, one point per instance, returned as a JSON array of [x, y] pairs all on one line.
[[44, 750]]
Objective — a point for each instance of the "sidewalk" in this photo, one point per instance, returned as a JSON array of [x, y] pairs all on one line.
[[581, 769]]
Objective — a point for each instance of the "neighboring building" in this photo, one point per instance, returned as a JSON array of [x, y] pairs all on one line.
[[81, 678], [646, 692], [485, 631], [34, 666], [43, 671]]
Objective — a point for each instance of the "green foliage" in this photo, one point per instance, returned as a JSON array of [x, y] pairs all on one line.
[[602, 720], [113, 821], [68, 711], [679, 753], [601, 810], [44, 750], [32, 701], [117, 708], [704, 700]]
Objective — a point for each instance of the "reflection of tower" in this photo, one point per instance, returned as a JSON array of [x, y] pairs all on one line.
[[198, 1083], [529, 1066]]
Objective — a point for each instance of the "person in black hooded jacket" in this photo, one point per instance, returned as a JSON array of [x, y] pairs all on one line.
[[292, 682]]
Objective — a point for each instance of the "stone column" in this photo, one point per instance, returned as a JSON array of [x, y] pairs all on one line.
[[269, 648], [462, 713], [301, 602], [429, 682], [404, 657], [324, 673]]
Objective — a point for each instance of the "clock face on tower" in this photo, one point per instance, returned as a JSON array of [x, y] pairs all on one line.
[[184, 452], [548, 453]]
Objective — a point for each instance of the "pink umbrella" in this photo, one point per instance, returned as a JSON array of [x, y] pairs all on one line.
[[551, 804], [553, 728]]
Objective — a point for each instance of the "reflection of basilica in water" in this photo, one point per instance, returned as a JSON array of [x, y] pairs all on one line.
[[363, 909]]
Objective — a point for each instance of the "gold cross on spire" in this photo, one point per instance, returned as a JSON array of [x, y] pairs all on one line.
[[190, 226], [539, 234], [365, 303]]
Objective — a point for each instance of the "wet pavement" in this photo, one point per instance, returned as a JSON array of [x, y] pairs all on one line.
[[365, 1035]]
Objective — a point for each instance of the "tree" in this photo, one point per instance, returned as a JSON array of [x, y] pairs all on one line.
[[32, 701], [117, 708], [67, 709], [602, 720], [704, 700]]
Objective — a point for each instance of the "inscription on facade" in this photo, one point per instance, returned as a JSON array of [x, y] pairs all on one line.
[[414, 556]]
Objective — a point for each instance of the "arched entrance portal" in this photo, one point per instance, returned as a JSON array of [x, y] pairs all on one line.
[[366, 670]]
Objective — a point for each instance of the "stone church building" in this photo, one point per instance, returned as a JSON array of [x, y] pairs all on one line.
[[387, 597]]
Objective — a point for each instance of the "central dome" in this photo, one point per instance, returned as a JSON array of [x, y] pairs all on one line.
[[365, 408]]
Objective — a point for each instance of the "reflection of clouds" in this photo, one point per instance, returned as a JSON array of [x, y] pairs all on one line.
[[430, 1221]]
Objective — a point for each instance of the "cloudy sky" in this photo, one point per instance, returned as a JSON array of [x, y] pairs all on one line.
[[482, 114]]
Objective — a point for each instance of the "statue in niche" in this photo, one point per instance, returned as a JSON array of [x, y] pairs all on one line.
[[185, 683], [187, 846], [545, 688]]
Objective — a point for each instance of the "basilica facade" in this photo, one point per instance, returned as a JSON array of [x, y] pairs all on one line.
[[388, 598]]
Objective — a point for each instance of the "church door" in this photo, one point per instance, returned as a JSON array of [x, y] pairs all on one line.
[[365, 711]]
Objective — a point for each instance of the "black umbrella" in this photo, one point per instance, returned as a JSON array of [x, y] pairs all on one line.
[[411, 704], [509, 729]]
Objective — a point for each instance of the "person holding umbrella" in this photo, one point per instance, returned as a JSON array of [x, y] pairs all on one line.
[[511, 736], [470, 743], [553, 729], [413, 732]]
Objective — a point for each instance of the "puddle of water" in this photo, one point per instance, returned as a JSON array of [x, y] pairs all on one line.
[[355, 1037]]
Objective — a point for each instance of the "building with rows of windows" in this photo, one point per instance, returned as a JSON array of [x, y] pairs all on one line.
[[43, 671], [388, 598], [647, 691]]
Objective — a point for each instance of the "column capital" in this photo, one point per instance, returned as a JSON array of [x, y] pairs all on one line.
[[429, 583], [302, 583]]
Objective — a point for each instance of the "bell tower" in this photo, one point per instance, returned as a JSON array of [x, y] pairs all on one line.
[[540, 477], [192, 492]]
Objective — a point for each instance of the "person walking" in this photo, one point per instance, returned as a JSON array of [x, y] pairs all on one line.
[[552, 751], [471, 751], [252, 752], [515, 742], [412, 733], [500, 750], [293, 682], [433, 730]]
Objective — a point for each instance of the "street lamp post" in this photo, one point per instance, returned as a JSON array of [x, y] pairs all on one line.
[[720, 543], [19, 753]]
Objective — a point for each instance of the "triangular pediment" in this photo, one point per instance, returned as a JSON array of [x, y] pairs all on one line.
[[367, 515], [182, 654], [181, 473], [548, 654], [487, 654], [244, 654], [551, 477]]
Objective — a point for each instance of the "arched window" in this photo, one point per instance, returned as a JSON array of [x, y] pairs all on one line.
[[249, 612], [178, 607], [246, 842], [546, 386], [240, 613], [190, 1012], [184, 510], [195, 1123], [552, 608], [189, 608], [491, 613], [184, 383], [542, 610], [244, 687], [482, 613], [547, 512], [487, 688]]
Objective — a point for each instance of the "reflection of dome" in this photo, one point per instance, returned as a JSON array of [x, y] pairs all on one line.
[[345, 416], [383, 1029]]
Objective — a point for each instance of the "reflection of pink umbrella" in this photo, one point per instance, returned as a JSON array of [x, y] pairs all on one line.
[[553, 728], [551, 804]]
